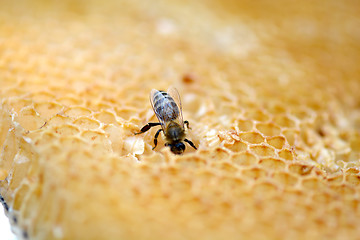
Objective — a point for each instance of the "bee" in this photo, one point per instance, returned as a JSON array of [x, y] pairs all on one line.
[[168, 110]]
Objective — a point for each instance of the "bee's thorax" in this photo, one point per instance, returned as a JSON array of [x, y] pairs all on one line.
[[174, 133]]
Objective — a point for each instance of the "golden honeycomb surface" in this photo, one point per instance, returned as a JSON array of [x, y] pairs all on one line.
[[271, 91]]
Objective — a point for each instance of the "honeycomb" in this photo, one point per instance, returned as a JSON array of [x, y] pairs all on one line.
[[271, 91]]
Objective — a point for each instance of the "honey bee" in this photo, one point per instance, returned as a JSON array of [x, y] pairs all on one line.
[[168, 110]]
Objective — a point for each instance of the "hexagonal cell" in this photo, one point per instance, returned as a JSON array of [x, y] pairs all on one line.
[[227, 109], [244, 125], [291, 135], [244, 159], [264, 189], [191, 161], [66, 129], [232, 182], [300, 169], [99, 106], [263, 150], [29, 119], [237, 146], [69, 101], [301, 113], [254, 173], [181, 185], [286, 179], [272, 163], [257, 115], [77, 112], [225, 166], [344, 190], [48, 109], [42, 96], [72, 142], [268, 129], [309, 136], [277, 108], [251, 137], [217, 153], [232, 185], [86, 123], [313, 183], [277, 141], [204, 177], [105, 117], [284, 121], [58, 120], [294, 195], [322, 197], [286, 154], [170, 171], [46, 137], [104, 147], [126, 112]]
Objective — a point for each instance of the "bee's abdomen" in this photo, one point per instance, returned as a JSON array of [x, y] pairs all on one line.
[[165, 106]]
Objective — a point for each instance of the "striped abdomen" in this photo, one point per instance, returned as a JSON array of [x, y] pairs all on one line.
[[164, 106]]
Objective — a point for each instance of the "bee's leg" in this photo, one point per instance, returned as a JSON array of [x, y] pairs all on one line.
[[187, 124], [147, 127], [156, 137], [190, 143]]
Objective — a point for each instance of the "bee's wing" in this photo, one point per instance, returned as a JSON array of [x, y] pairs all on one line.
[[173, 92]]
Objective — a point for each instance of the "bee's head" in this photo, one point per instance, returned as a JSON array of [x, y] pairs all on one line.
[[177, 148]]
